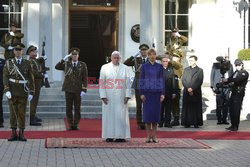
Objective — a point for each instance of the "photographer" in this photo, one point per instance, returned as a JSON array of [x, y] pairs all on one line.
[[221, 69], [238, 83]]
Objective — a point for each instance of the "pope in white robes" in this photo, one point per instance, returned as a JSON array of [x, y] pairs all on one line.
[[114, 89]]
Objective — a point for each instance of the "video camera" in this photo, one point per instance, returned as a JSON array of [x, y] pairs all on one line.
[[222, 64]]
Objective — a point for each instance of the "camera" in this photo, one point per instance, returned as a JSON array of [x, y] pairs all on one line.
[[222, 64]]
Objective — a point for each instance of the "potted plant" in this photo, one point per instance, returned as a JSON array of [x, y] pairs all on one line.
[[244, 55]]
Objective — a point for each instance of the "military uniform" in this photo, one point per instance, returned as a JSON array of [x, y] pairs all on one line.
[[175, 42], [18, 80], [2, 62], [137, 62], [74, 83], [239, 80], [178, 70], [9, 40], [38, 77]]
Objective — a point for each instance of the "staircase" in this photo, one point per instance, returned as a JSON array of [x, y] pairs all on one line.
[[52, 103]]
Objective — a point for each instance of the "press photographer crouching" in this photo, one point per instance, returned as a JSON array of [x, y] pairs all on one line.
[[220, 70], [238, 83]]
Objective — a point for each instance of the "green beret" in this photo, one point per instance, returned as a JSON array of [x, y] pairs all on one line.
[[143, 46], [30, 48], [74, 51], [18, 46]]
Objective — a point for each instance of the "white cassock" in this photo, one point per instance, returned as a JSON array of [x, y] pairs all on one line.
[[115, 116]]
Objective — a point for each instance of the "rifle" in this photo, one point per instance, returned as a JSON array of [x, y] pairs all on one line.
[[45, 81]]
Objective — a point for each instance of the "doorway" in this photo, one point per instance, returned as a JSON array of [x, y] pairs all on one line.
[[94, 33]]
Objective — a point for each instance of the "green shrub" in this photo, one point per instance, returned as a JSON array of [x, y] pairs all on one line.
[[244, 54]]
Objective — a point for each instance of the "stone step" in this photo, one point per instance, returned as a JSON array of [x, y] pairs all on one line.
[[56, 109], [91, 115]]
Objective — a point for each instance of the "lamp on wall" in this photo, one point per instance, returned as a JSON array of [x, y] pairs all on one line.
[[241, 5]]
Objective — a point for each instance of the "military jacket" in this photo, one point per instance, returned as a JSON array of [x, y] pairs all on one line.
[[137, 64], [10, 71], [175, 43], [8, 40], [75, 78], [36, 67]]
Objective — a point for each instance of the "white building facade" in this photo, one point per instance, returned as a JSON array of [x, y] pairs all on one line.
[[213, 27]]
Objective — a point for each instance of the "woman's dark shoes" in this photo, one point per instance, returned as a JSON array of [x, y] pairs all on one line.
[[148, 140], [120, 140], [154, 140], [109, 140]]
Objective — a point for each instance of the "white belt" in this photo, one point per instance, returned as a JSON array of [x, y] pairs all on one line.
[[18, 81]]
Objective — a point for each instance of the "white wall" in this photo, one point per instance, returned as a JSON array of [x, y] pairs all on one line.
[[57, 39], [215, 27], [32, 36], [132, 17]]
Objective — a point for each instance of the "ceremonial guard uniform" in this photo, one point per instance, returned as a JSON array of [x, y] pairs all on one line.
[[74, 85], [9, 39], [18, 86], [238, 83], [2, 62], [38, 77], [136, 62]]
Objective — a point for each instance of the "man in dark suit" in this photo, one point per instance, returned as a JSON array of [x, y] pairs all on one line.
[[2, 62], [192, 80], [136, 62]]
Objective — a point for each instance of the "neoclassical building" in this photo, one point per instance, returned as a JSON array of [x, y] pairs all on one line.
[[97, 27]]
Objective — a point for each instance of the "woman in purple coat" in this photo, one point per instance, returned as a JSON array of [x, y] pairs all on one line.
[[152, 94]]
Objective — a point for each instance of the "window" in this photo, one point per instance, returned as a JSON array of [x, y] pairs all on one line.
[[10, 11], [93, 2], [176, 15]]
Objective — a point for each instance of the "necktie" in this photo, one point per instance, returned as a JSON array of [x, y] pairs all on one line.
[[18, 62], [74, 65], [143, 61]]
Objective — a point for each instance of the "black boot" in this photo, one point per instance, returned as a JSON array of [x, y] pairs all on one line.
[[38, 119], [33, 121], [21, 136], [175, 122], [14, 136]]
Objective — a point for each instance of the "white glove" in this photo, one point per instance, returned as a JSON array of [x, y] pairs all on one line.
[[30, 97], [45, 57], [177, 34], [45, 75], [10, 48], [66, 57], [82, 93], [8, 94], [12, 33]]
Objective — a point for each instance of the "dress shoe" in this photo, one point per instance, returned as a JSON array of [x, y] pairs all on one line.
[[109, 140], [154, 140], [120, 140], [175, 122], [225, 123], [33, 121], [167, 125], [71, 127], [38, 119], [229, 128], [142, 126], [219, 123], [21, 135], [14, 136], [234, 129], [196, 126], [1, 125], [187, 126], [75, 127], [148, 140]]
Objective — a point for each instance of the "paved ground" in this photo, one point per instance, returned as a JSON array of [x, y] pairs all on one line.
[[224, 153]]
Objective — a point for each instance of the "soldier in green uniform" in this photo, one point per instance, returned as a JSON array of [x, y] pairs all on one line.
[[175, 42], [38, 77], [74, 85], [136, 62], [178, 70], [18, 82], [9, 39]]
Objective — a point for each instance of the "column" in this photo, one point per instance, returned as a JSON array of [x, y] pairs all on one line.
[[45, 31]]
